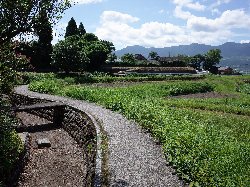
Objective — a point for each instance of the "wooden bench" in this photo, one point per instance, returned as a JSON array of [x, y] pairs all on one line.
[[59, 109]]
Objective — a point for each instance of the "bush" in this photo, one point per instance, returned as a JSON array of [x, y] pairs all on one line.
[[10, 146], [28, 77], [47, 86], [9, 64], [190, 88]]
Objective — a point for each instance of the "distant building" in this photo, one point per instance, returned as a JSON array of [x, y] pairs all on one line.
[[225, 70]]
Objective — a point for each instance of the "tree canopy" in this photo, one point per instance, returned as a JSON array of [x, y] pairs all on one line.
[[128, 58], [68, 55], [212, 58], [20, 16], [153, 55], [81, 29], [41, 57], [71, 29], [87, 51]]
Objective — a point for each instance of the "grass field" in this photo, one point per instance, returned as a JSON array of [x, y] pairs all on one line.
[[206, 140]]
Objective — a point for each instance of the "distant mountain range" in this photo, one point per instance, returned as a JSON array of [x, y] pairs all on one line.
[[235, 55]]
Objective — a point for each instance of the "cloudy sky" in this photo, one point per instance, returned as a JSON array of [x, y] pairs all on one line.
[[161, 23]]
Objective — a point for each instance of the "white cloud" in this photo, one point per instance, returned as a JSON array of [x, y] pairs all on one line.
[[244, 41], [179, 13], [219, 3], [189, 4], [148, 34], [119, 28], [227, 21], [113, 16], [215, 11], [86, 1]]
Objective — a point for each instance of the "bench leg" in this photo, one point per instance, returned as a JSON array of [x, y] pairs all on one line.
[[58, 115]]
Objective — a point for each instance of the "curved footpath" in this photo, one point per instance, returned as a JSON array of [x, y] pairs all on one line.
[[134, 159]]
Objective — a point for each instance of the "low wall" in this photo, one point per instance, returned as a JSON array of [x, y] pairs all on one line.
[[78, 125]]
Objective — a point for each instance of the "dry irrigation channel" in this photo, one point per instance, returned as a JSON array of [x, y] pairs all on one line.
[[60, 144]]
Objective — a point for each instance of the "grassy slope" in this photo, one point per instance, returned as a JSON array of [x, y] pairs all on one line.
[[211, 149]]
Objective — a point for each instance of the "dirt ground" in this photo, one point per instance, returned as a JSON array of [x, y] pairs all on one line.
[[61, 164], [205, 95]]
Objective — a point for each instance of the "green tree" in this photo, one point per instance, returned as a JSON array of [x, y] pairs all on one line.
[[81, 30], [196, 61], [17, 17], [112, 57], [128, 59], [20, 16], [71, 29], [109, 45], [153, 55], [69, 56], [41, 58], [97, 52], [90, 37], [212, 58]]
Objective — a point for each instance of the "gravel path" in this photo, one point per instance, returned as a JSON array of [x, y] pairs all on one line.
[[134, 158]]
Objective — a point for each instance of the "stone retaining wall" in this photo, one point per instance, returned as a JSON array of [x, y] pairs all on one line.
[[77, 123]]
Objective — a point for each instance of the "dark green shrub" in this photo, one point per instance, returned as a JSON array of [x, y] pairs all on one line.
[[10, 146], [190, 88]]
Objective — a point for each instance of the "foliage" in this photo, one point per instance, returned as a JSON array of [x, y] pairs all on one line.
[[97, 52], [206, 148], [196, 61], [111, 58], [244, 88], [81, 30], [27, 77], [78, 53], [109, 45], [10, 62], [71, 29], [128, 58], [191, 88], [20, 16], [68, 56], [212, 57], [90, 37], [10, 146], [43, 48], [83, 78], [153, 55]]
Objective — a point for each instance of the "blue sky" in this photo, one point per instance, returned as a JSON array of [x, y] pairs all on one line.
[[161, 23]]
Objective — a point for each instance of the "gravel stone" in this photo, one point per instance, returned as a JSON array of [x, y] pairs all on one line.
[[135, 159], [44, 142]]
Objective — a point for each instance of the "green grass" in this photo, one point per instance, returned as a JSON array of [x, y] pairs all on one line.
[[76, 78], [237, 105], [207, 148]]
